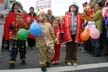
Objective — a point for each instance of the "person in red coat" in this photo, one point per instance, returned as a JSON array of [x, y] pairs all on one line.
[[8, 20], [56, 27], [71, 26], [31, 39]]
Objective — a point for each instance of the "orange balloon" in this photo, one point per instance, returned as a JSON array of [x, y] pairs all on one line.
[[85, 34]]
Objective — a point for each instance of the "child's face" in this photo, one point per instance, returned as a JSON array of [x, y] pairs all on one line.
[[55, 23], [19, 18], [42, 17], [73, 9]]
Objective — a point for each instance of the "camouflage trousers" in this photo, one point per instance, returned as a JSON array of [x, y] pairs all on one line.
[[46, 54]]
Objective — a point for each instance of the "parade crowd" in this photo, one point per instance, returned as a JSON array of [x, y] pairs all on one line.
[[87, 31]]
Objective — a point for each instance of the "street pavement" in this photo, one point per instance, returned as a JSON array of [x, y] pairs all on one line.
[[105, 69], [85, 60]]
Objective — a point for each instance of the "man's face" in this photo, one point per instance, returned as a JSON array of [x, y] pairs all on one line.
[[96, 7], [31, 10], [49, 12]]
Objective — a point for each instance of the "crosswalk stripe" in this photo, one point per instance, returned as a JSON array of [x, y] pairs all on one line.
[[62, 68]]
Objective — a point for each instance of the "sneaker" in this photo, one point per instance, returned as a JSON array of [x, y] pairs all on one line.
[[57, 62], [69, 63], [23, 62], [75, 64], [48, 64], [53, 62], [12, 66], [43, 68]]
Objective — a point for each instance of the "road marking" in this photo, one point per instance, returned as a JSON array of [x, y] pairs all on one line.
[[62, 68]]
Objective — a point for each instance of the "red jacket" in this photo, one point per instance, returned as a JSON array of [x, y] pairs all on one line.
[[8, 20], [14, 27], [65, 28], [31, 19]]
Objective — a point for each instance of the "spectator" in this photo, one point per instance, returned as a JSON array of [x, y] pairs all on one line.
[[8, 20], [71, 27], [98, 19], [50, 17], [31, 38]]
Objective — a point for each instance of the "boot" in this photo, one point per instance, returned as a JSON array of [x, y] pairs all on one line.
[[12, 64], [23, 62], [44, 68]]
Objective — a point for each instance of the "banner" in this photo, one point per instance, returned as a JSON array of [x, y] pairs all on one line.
[[40, 4]]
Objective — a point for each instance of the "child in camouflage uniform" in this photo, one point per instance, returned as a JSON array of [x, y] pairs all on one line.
[[45, 42]]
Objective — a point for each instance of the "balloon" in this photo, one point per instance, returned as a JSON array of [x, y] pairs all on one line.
[[94, 33], [85, 34], [22, 34], [35, 28]]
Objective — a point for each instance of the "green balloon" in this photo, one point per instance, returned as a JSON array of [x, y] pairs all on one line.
[[22, 34]]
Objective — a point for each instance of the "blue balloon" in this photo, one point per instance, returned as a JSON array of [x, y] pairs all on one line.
[[35, 28]]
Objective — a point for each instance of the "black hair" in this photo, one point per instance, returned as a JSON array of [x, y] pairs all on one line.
[[75, 7], [32, 8], [99, 4], [19, 14], [12, 10]]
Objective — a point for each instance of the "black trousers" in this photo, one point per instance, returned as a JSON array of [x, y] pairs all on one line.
[[31, 42], [17, 46]]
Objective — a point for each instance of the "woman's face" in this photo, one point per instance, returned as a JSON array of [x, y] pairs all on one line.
[[73, 9], [16, 8]]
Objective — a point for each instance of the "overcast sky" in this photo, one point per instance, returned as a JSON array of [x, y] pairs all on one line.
[[59, 7]]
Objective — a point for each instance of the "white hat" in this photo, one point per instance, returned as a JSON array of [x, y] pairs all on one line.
[[40, 12]]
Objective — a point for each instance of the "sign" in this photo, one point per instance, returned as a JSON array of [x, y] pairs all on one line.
[[40, 4]]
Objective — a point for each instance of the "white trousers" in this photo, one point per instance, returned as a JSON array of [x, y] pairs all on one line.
[[1, 36]]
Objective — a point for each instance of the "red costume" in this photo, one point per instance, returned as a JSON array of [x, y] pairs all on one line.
[[8, 21], [65, 28], [14, 27], [57, 46]]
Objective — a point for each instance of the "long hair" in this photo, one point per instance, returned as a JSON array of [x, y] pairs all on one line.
[[12, 9], [19, 5], [76, 12]]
